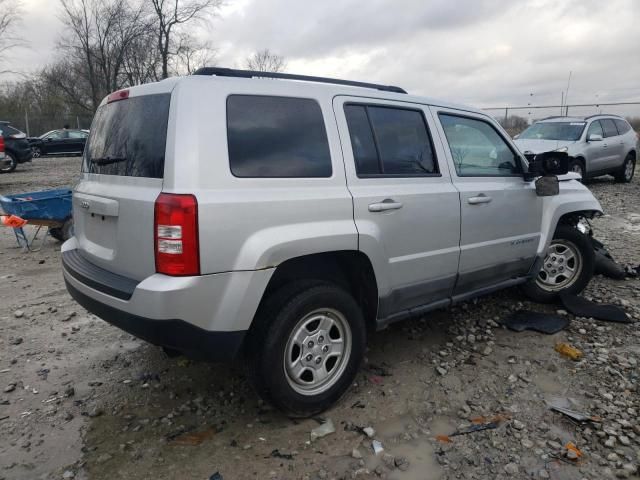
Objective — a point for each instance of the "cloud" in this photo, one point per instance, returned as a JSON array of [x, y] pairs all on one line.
[[480, 52]]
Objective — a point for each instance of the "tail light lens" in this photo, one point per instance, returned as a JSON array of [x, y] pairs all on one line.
[[176, 235], [1, 143]]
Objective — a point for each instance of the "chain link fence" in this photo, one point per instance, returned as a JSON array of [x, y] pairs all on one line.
[[36, 125], [517, 118]]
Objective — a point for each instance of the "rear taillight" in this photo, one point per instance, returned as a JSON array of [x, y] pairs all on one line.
[[1, 143], [176, 235], [119, 95]]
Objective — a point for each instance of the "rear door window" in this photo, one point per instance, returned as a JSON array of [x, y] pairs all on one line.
[[128, 137], [390, 141], [622, 126], [609, 127], [276, 137]]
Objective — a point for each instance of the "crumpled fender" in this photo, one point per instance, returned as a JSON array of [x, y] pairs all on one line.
[[573, 197]]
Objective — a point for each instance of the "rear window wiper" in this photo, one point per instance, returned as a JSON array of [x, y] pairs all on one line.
[[108, 160]]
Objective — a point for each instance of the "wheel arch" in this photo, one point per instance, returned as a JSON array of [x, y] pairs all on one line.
[[350, 269]]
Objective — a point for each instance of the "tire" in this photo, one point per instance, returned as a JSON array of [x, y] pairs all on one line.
[[12, 166], [36, 152], [550, 283], [625, 174], [322, 315], [577, 165], [64, 233]]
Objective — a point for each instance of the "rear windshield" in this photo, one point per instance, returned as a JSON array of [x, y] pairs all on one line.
[[554, 131], [128, 137]]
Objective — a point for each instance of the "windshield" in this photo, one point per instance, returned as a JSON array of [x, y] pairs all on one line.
[[128, 137], [554, 131], [44, 135]]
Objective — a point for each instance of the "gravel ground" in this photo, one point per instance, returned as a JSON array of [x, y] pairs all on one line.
[[79, 398]]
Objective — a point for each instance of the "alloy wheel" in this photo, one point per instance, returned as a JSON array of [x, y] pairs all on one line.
[[562, 266], [628, 169], [317, 351]]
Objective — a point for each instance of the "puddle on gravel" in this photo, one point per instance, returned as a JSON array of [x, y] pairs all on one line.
[[419, 452]]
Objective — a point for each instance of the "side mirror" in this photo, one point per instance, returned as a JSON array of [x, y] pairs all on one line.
[[594, 137], [547, 163], [547, 186], [49, 139]]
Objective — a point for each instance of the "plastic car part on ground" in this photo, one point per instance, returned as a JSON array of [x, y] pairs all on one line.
[[568, 351], [605, 264], [575, 415], [536, 321], [581, 307]]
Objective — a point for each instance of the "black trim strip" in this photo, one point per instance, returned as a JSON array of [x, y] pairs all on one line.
[[97, 278]]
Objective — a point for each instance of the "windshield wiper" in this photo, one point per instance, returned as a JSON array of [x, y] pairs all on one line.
[[108, 160]]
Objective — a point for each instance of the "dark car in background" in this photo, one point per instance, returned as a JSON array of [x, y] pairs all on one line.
[[16, 146], [59, 142]]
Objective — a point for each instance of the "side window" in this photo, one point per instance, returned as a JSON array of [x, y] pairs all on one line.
[[622, 126], [609, 127], [276, 137], [76, 134], [390, 141], [477, 148], [595, 129], [55, 135]]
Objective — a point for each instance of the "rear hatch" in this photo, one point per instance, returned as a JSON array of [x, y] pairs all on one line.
[[123, 169]]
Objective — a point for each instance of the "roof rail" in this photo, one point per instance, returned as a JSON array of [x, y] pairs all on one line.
[[231, 72], [557, 116], [603, 115]]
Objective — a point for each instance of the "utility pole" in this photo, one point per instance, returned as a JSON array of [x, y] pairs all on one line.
[[566, 95], [26, 122]]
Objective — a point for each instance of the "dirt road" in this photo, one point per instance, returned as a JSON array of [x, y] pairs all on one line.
[[79, 398]]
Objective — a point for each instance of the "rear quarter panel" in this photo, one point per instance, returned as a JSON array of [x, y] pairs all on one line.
[[252, 223]]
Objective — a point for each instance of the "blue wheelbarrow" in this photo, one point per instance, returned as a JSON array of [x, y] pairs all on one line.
[[49, 208]]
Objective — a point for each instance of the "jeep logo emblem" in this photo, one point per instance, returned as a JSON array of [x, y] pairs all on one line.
[[84, 204]]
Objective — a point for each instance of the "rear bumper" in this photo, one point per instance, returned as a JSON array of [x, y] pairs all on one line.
[[23, 155], [205, 316], [174, 333]]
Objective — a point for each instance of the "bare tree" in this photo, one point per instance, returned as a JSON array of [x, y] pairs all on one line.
[[9, 19], [171, 14], [265, 61], [101, 35], [190, 54]]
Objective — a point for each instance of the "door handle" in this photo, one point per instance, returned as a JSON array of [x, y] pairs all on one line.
[[482, 198], [386, 204]]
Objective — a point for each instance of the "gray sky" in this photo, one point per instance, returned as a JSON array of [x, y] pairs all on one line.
[[479, 52]]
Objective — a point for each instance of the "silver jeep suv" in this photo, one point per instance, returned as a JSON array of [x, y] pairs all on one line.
[[280, 219], [598, 145]]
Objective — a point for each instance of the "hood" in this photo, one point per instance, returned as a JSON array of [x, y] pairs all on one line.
[[538, 146]]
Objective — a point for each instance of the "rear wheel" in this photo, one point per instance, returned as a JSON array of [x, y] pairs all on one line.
[[577, 166], [625, 174], [64, 233], [13, 163], [305, 349], [567, 268]]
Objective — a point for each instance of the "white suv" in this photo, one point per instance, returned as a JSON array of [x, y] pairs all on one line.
[[228, 214], [598, 145]]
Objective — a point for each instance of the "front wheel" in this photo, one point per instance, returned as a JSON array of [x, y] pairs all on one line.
[[36, 152], [625, 174], [306, 347], [567, 268], [576, 166]]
